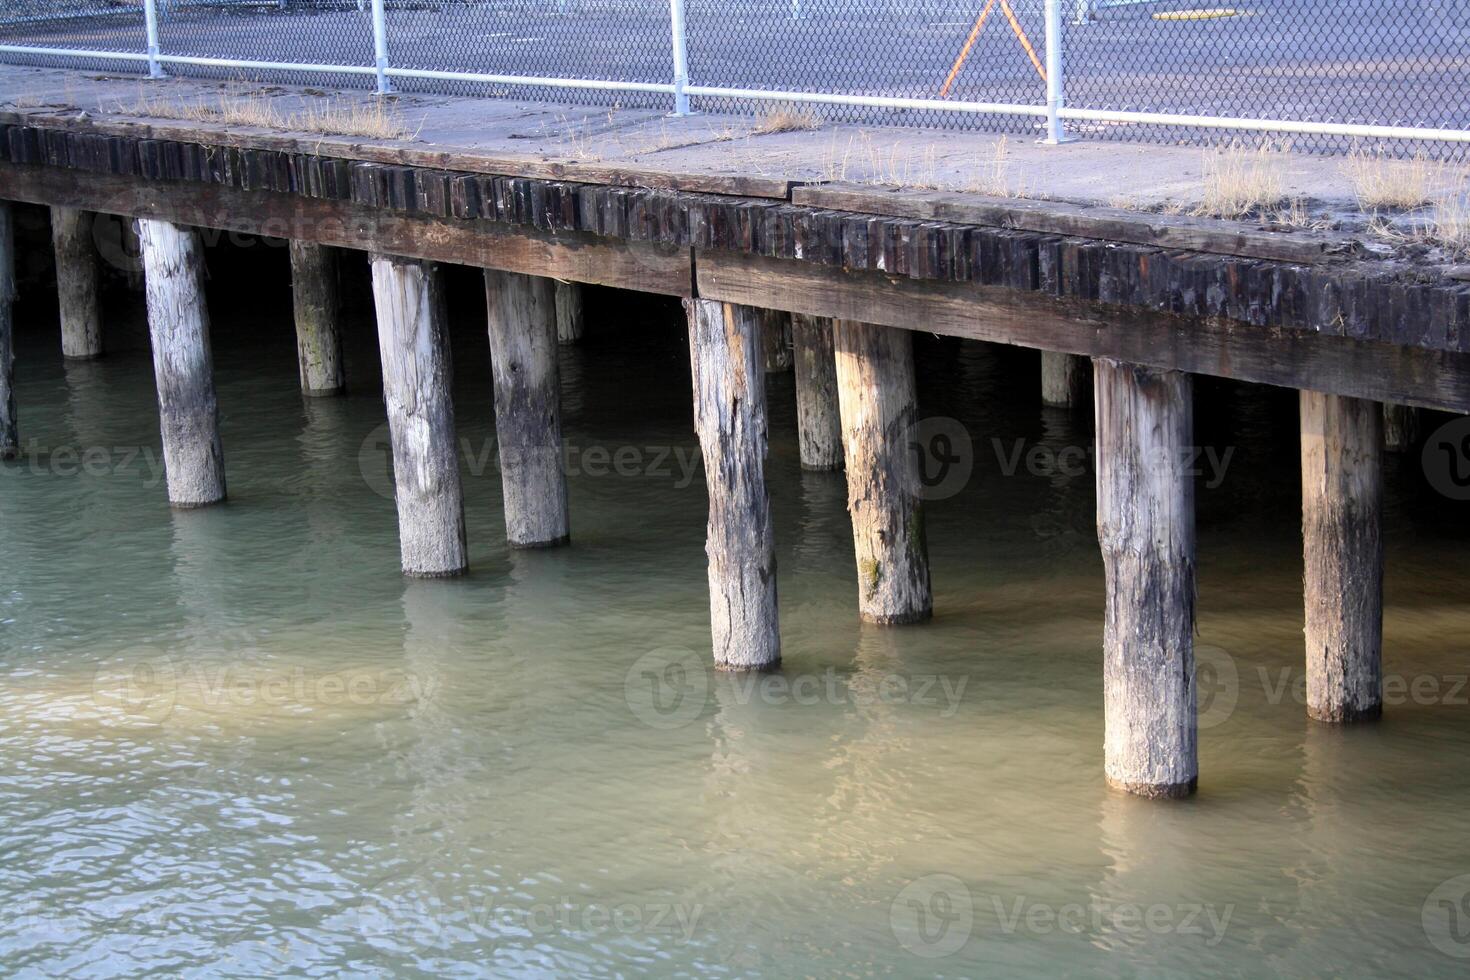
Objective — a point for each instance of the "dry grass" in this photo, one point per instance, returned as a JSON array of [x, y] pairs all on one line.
[[1446, 224], [1450, 220], [1293, 215], [787, 119], [901, 164], [374, 119], [993, 176], [1380, 182], [1240, 182]]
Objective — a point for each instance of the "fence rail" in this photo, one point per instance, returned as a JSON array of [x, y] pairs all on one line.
[[1322, 72]]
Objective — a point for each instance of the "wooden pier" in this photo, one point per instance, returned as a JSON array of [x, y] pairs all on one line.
[[829, 279]]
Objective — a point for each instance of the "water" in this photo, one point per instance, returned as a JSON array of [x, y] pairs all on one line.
[[235, 741]]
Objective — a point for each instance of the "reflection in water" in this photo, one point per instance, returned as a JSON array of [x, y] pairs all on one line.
[[237, 741]]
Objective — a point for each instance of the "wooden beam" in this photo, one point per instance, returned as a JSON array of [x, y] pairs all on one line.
[[1086, 221], [469, 159], [1214, 346], [571, 255]]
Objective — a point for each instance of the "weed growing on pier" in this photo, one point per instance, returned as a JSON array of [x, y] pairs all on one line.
[[1382, 182], [1445, 225], [787, 119], [917, 168], [372, 118], [1450, 222], [993, 176], [1240, 182]]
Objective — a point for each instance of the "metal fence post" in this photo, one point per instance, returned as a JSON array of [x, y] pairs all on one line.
[[150, 22], [681, 57], [1055, 131], [380, 46]]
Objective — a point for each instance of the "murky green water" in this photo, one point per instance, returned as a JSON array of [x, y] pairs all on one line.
[[236, 741]]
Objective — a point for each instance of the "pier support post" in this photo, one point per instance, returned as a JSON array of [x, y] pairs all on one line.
[[76, 283], [730, 419], [818, 420], [9, 431], [1342, 537], [876, 398], [1145, 526], [183, 364], [775, 336], [568, 312], [318, 333], [1400, 427], [523, 356], [414, 345], [1062, 376]]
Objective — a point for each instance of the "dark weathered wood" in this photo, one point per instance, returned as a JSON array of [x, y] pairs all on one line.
[[417, 373], [400, 153], [1289, 358], [875, 386], [183, 364], [1145, 526], [1363, 297], [638, 237], [730, 419], [576, 256], [318, 332], [1062, 378], [818, 419], [9, 429], [569, 312], [775, 332], [1090, 221], [76, 283], [1400, 428], [523, 360], [1342, 535]]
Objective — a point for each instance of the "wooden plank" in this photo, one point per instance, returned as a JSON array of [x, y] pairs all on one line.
[[574, 256], [401, 153], [1056, 218], [1201, 345]]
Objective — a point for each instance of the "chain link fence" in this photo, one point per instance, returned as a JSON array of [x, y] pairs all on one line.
[[1323, 74]]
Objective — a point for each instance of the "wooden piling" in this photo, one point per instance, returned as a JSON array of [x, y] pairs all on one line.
[[568, 312], [523, 317], [1342, 536], [730, 419], [76, 283], [1400, 427], [876, 398], [1062, 378], [417, 373], [775, 335], [9, 431], [818, 419], [183, 363], [318, 332], [1145, 526]]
